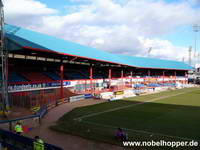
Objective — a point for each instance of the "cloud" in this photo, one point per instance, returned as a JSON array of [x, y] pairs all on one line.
[[123, 27], [26, 12], [165, 49]]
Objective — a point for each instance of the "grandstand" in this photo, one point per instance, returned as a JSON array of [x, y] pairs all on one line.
[[43, 69]]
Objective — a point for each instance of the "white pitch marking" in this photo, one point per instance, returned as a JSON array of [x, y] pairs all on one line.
[[140, 131], [119, 108]]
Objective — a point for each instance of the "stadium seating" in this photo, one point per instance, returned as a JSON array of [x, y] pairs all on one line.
[[14, 77], [116, 74], [153, 85], [35, 76], [85, 73], [52, 75], [169, 84], [139, 85], [98, 74], [98, 77], [71, 74], [74, 75]]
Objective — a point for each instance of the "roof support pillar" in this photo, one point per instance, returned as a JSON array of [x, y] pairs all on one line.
[[110, 76], [149, 73], [122, 73], [91, 77], [131, 78], [85, 85], [186, 77], [131, 73], [175, 76], [61, 81], [122, 76], [163, 77]]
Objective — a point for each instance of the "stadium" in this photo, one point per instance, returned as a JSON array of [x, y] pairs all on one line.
[[46, 71], [64, 92], [43, 69]]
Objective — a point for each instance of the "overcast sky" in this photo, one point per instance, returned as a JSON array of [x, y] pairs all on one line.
[[127, 27]]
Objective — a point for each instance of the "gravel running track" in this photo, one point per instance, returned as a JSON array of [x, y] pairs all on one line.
[[68, 142]]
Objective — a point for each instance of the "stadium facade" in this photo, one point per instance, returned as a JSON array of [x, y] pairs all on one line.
[[43, 69]]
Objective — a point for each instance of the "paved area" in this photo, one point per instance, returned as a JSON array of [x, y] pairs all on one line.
[[68, 142]]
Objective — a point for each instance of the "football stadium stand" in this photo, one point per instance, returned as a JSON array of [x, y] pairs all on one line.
[[43, 69]]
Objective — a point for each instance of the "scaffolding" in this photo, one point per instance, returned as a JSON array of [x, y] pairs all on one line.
[[4, 103]]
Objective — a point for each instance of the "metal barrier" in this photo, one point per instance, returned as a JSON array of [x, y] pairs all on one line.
[[32, 120], [13, 141], [17, 142], [28, 120], [37, 116]]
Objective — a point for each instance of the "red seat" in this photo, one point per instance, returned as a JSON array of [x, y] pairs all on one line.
[[36, 76]]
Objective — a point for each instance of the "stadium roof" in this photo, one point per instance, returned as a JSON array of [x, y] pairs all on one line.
[[29, 39]]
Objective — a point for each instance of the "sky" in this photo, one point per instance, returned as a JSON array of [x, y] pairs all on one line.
[[128, 27]]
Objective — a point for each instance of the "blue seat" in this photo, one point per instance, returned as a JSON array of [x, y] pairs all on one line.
[[14, 77], [52, 75]]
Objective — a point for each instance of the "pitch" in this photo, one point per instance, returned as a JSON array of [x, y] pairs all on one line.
[[170, 115]]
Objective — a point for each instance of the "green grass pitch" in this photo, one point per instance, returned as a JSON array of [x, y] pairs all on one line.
[[169, 115]]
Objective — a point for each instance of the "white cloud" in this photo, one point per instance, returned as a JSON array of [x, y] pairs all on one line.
[[125, 27], [165, 49], [26, 12]]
